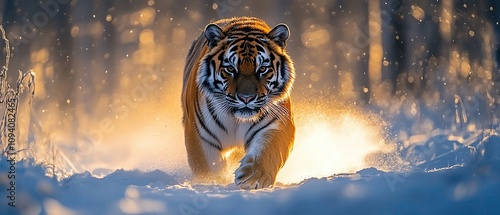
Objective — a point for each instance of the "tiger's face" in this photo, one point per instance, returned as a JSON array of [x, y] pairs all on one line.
[[247, 73]]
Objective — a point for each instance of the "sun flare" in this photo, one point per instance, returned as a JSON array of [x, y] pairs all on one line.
[[328, 143]]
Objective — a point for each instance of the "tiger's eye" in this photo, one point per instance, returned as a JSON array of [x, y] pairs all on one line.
[[230, 69], [262, 68]]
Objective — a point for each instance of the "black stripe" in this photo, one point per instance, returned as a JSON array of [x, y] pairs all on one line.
[[208, 63], [214, 66], [272, 56], [211, 144], [256, 123], [232, 55], [206, 83], [214, 117], [220, 56], [249, 39], [233, 49], [218, 84], [260, 49], [282, 68], [236, 35], [247, 143], [199, 116]]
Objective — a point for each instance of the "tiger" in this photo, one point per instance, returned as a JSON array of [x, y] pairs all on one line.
[[236, 91]]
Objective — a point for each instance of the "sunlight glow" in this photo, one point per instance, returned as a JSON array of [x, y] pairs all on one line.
[[330, 143], [329, 140]]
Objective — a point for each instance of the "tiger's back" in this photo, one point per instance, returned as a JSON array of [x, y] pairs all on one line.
[[236, 94]]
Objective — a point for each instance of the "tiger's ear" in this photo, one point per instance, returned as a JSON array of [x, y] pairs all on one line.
[[214, 34], [279, 34]]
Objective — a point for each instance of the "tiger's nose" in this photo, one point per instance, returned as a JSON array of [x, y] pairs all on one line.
[[246, 98]]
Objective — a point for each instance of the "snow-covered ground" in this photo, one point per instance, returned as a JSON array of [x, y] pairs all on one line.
[[459, 176]]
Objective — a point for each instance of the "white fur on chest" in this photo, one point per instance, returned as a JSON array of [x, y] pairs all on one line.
[[221, 133], [236, 131]]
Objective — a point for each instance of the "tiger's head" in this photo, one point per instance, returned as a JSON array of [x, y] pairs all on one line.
[[247, 71]]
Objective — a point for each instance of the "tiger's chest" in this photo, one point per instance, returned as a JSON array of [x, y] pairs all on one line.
[[221, 128]]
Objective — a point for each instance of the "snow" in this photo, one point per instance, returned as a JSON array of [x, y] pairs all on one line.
[[464, 179]]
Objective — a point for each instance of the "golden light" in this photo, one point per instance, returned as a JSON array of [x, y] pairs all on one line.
[[329, 140], [146, 37], [315, 38], [328, 143], [417, 12]]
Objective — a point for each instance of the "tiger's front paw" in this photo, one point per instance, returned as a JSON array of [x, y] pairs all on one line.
[[251, 175]]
